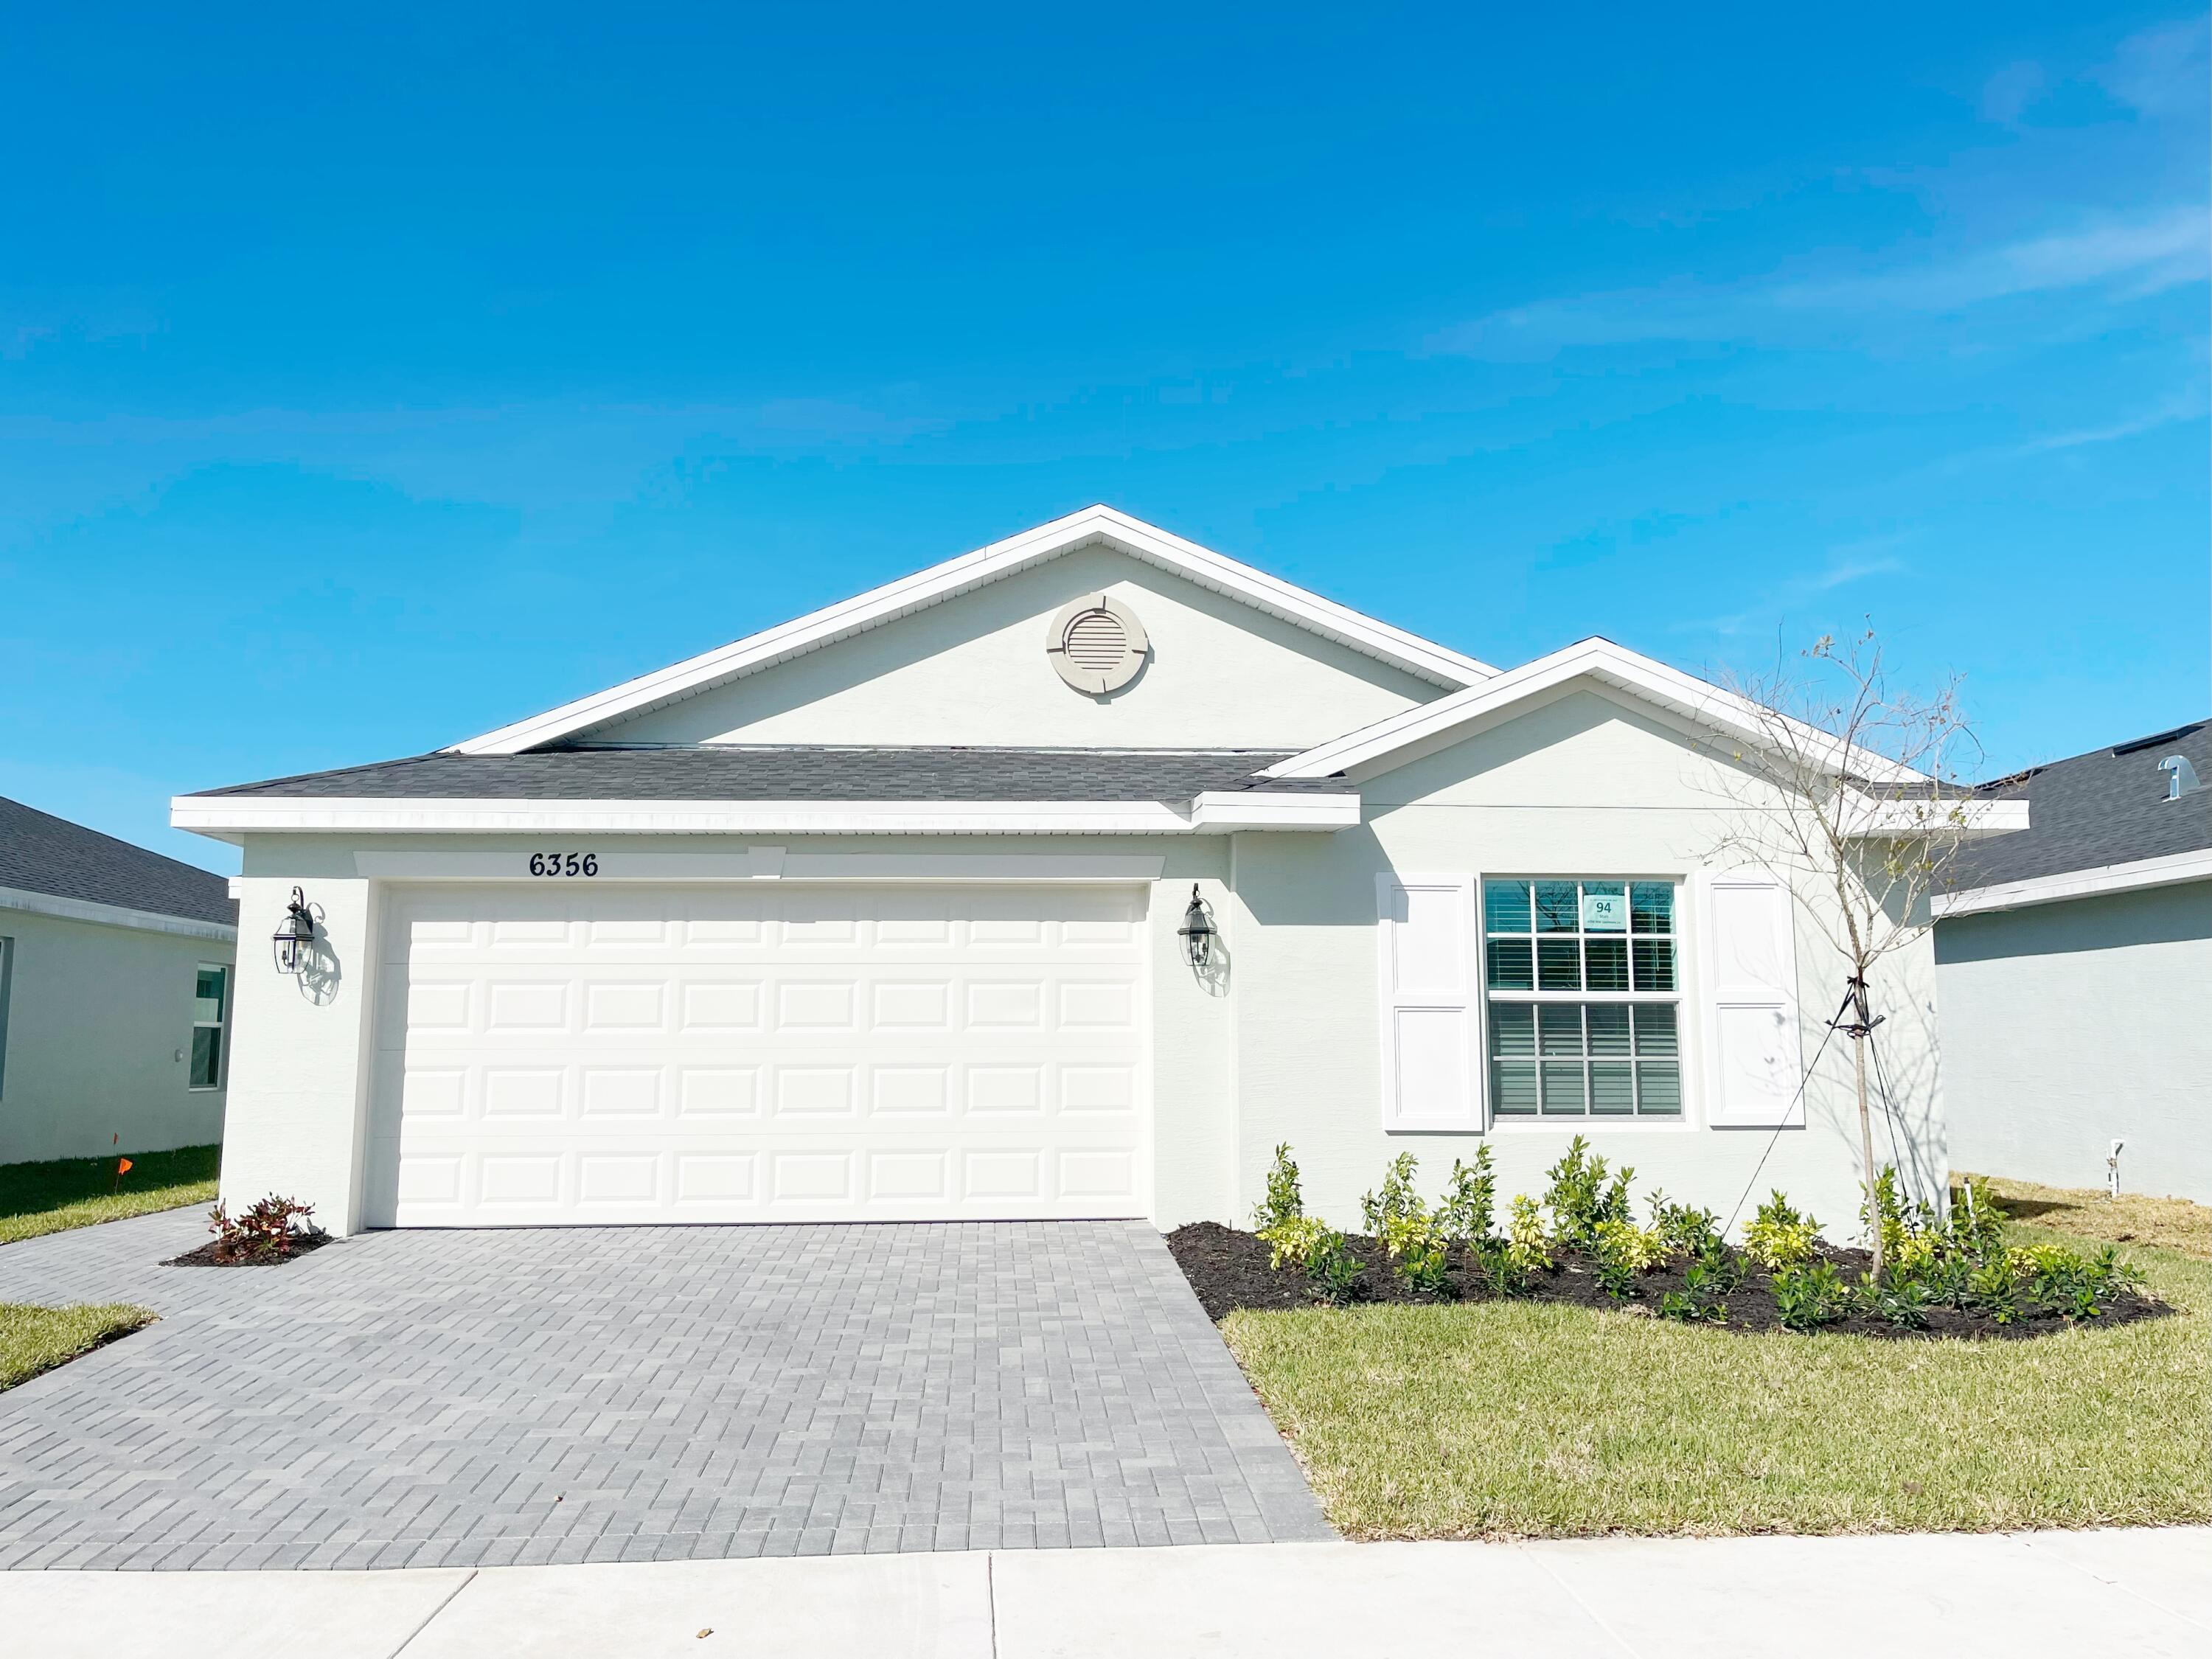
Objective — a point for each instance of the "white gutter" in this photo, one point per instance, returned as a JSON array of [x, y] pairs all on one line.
[[225, 816], [2169, 871], [113, 915]]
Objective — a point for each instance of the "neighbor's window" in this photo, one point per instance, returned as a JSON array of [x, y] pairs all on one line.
[[1584, 1011], [210, 1000]]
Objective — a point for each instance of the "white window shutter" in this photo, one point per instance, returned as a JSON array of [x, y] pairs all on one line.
[[1430, 1002], [1754, 1056]]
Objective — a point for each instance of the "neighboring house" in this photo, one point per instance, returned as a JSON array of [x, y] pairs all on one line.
[[116, 967], [879, 914], [2075, 966]]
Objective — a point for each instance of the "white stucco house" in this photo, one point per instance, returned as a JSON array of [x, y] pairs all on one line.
[[116, 967], [880, 914], [2075, 963]]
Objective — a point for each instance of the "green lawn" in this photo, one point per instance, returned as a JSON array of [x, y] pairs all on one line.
[[1513, 1418], [74, 1192], [34, 1340]]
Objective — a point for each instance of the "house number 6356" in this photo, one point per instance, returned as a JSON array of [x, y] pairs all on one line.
[[564, 864]]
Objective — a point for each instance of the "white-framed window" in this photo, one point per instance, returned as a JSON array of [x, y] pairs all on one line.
[[1581, 984], [210, 1006]]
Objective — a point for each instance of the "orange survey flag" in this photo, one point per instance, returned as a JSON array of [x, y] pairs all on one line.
[[123, 1166]]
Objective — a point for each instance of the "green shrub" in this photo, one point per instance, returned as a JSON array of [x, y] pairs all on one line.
[[1335, 1272], [1580, 1195], [1900, 1299], [1293, 1240], [1623, 1250], [1808, 1295], [1683, 1229], [1284, 1202], [1422, 1257], [1707, 1284], [1977, 1225], [1396, 1201], [1992, 1288], [1465, 1216], [1780, 1235]]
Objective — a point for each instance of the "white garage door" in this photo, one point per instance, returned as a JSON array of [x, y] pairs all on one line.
[[758, 1052]]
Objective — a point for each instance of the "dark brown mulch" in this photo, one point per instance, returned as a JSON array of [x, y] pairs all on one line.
[[1228, 1269], [206, 1256]]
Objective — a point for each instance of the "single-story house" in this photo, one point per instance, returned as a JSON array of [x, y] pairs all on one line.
[[886, 913], [2075, 963], [116, 967]]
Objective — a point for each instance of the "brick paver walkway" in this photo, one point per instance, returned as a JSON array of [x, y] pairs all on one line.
[[565, 1395]]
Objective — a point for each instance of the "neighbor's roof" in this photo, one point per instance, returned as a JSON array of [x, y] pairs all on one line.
[[748, 772], [42, 854], [2091, 811]]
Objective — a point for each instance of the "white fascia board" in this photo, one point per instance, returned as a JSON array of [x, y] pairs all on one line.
[[2170, 871], [1093, 526], [1394, 741], [1242, 809], [113, 915], [227, 816], [1866, 818]]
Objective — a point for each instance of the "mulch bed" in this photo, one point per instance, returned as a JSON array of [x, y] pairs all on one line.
[[206, 1256], [1228, 1269]]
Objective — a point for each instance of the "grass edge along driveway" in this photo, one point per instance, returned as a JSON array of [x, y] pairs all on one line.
[[1516, 1419], [53, 1196], [34, 1340]]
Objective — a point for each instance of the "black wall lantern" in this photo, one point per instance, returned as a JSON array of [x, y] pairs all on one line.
[[1196, 931], [294, 935]]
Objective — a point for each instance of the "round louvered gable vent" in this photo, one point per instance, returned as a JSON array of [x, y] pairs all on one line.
[[1097, 645]]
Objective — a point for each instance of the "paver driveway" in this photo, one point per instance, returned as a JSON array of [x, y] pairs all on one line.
[[634, 1394]]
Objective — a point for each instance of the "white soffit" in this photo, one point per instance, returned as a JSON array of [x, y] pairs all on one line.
[[1092, 526], [1393, 742]]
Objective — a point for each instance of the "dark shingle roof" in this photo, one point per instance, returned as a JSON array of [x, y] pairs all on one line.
[[736, 772], [42, 854], [2108, 806]]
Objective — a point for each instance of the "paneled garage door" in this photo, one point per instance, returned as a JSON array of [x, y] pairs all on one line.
[[758, 1052]]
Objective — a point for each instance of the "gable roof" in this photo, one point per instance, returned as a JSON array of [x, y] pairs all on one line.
[[2101, 824], [1094, 527], [1403, 738], [43, 854]]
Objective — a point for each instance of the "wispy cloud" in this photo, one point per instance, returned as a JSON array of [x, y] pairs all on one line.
[[2122, 258], [2161, 71], [2169, 414], [1852, 562]]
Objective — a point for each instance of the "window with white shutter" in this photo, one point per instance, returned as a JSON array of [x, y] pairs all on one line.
[[1755, 1058], [1428, 1006]]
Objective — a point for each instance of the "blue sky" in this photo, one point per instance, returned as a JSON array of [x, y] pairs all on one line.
[[367, 382]]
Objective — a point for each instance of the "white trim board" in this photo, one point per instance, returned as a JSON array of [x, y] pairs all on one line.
[[113, 915], [224, 817], [1097, 526], [2170, 871], [771, 864], [1393, 742]]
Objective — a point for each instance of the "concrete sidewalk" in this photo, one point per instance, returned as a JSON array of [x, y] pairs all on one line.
[[2144, 1594]]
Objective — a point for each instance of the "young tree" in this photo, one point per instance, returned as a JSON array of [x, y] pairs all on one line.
[[1850, 789]]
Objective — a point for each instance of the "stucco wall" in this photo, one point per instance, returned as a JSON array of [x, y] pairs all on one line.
[[973, 670], [1580, 786], [2067, 1026], [299, 1087], [1280, 1042], [96, 1017]]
